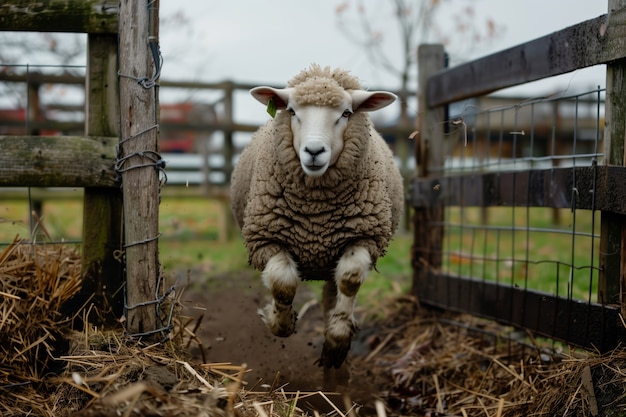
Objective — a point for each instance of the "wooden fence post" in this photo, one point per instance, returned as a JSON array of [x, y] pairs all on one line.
[[427, 242], [228, 227], [138, 161], [102, 213], [33, 116], [612, 280]]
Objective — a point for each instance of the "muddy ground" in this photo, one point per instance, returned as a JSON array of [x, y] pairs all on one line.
[[418, 361], [231, 331]]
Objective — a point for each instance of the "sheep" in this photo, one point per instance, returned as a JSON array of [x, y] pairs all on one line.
[[317, 196]]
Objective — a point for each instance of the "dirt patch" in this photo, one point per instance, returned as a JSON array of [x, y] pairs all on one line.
[[231, 331], [419, 362]]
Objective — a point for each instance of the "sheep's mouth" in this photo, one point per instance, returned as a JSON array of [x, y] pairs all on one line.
[[314, 170], [314, 167]]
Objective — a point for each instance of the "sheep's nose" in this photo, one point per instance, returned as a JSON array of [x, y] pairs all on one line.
[[314, 150]]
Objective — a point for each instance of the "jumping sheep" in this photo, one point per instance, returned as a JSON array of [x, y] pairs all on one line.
[[317, 196]]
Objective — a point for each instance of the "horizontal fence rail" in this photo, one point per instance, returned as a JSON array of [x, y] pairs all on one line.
[[58, 161], [600, 188], [593, 42], [78, 16], [196, 164]]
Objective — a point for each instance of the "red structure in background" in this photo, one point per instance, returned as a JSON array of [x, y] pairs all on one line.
[[177, 140], [13, 122], [182, 125]]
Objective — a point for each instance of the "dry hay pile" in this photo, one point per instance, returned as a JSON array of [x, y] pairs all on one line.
[[48, 369], [441, 364], [112, 377], [35, 281]]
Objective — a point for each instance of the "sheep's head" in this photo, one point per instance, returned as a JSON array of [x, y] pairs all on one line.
[[320, 112]]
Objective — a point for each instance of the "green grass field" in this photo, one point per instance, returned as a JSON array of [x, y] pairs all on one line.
[[191, 229], [525, 247], [540, 258]]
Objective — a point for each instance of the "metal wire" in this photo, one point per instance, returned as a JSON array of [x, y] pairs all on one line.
[[469, 242]]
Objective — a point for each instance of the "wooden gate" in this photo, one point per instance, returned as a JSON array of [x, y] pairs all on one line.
[[477, 157]]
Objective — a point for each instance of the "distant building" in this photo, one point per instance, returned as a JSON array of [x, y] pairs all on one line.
[[184, 125]]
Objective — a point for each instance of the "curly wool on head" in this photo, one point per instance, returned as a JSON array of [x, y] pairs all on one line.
[[322, 86], [343, 78]]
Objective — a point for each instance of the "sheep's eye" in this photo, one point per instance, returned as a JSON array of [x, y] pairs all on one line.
[[346, 113], [291, 111]]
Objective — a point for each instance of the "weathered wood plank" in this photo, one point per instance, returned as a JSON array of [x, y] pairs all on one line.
[[138, 143], [593, 42], [612, 278], [79, 16], [601, 188], [103, 276], [427, 239], [34, 77], [102, 111], [588, 325], [57, 161]]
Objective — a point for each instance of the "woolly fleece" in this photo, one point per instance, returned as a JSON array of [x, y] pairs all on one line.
[[358, 200]]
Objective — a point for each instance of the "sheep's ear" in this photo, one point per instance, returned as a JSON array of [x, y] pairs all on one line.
[[371, 100], [265, 94]]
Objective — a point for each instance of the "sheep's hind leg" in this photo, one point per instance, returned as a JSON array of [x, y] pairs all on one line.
[[281, 277], [341, 325]]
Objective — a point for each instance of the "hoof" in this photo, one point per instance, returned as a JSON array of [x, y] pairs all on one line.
[[281, 324], [337, 343], [333, 355]]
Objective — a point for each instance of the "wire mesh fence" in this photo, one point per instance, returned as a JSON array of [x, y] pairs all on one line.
[[519, 193], [542, 248], [32, 106]]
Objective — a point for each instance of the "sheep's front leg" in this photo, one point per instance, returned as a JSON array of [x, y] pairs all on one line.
[[352, 268], [281, 277]]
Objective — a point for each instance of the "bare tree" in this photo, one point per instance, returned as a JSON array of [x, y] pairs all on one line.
[[416, 22], [58, 53], [48, 48]]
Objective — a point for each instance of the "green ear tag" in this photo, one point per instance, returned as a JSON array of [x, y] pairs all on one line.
[[271, 107]]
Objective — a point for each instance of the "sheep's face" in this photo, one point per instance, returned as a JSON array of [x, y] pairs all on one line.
[[318, 135], [318, 129]]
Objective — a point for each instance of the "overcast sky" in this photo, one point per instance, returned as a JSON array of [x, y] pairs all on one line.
[[269, 41]]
